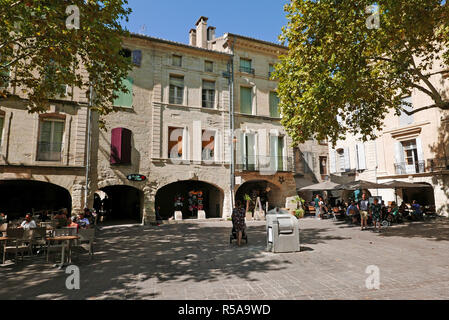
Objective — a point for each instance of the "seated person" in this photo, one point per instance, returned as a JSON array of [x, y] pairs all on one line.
[[2, 218], [83, 222], [73, 223], [61, 219], [352, 212], [28, 223]]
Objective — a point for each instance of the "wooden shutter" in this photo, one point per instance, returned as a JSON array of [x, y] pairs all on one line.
[[347, 159], [137, 57], [125, 99], [361, 159], [246, 100], [120, 146], [274, 102]]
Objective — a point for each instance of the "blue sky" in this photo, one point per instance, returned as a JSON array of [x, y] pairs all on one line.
[[172, 20]]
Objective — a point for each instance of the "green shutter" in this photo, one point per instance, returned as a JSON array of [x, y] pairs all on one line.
[[246, 100], [274, 102], [125, 99], [280, 154]]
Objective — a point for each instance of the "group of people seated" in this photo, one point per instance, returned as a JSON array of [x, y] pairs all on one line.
[[62, 218]]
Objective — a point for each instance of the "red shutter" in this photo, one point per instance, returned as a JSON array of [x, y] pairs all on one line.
[[120, 146]]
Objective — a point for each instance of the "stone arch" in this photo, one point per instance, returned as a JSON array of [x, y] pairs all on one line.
[[267, 190], [20, 196], [212, 198]]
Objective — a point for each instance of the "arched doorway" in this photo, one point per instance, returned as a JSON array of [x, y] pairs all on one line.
[[424, 196], [267, 191], [192, 194], [121, 202], [19, 197]]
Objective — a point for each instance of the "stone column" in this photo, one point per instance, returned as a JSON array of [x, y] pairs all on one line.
[[227, 210], [77, 198], [149, 201]]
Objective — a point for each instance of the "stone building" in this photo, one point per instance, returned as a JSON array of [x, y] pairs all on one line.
[[42, 156], [409, 148], [173, 131]]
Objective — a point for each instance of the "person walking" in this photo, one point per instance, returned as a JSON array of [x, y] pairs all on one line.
[[363, 206], [238, 221], [376, 212], [317, 207]]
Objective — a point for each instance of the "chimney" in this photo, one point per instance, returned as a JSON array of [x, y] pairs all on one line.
[[192, 37], [201, 32], [211, 33]]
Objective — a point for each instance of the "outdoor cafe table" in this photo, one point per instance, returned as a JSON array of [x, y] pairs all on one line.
[[63, 240], [4, 239]]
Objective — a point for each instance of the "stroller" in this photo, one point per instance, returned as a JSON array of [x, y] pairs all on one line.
[[233, 235]]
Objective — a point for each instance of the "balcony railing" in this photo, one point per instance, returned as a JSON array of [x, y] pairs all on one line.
[[246, 70], [268, 164], [404, 168]]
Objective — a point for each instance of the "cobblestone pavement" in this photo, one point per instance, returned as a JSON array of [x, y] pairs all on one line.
[[195, 261]]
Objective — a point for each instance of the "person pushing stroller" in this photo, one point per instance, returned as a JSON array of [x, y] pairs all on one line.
[[238, 221]]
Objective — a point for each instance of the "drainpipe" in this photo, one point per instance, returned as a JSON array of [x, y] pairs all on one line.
[[231, 93], [89, 124]]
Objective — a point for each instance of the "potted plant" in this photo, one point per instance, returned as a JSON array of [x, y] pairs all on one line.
[[299, 211]]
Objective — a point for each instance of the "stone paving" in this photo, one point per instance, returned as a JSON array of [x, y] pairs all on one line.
[[194, 260]]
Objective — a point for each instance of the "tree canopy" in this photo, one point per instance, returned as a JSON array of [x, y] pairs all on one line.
[[343, 73], [43, 48]]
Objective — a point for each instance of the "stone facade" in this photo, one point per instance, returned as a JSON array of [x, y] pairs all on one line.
[[409, 148], [178, 141]]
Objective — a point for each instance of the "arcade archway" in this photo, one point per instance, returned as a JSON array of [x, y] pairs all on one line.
[[267, 191], [194, 195], [19, 197], [120, 202]]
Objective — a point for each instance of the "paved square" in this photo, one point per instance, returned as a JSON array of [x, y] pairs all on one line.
[[195, 261]]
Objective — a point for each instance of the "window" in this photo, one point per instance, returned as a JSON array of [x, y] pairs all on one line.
[[277, 152], [50, 73], [50, 140], [274, 102], [405, 119], [323, 165], [411, 152], [2, 121], [208, 145], [176, 95], [246, 105], [341, 167], [208, 66], [245, 66], [270, 70], [208, 94], [134, 56], [175, 142], [176, 60], [125, 99]]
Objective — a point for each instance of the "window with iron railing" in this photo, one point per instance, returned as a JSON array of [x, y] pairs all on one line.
[[404, 168], [50, 140], [246, 66]]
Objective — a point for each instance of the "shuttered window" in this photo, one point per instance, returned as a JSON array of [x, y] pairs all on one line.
[[50, 140], [176, 95], [120, 146], [246, 106], [274, 102], [125, 99]]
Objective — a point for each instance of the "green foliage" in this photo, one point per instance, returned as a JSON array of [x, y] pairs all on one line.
[[340, 77], [247, 197], [35, 41], [299, 213]]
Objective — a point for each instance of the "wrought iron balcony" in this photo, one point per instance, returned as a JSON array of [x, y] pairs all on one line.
[[246, 70], [404, 168], [267, 164]]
